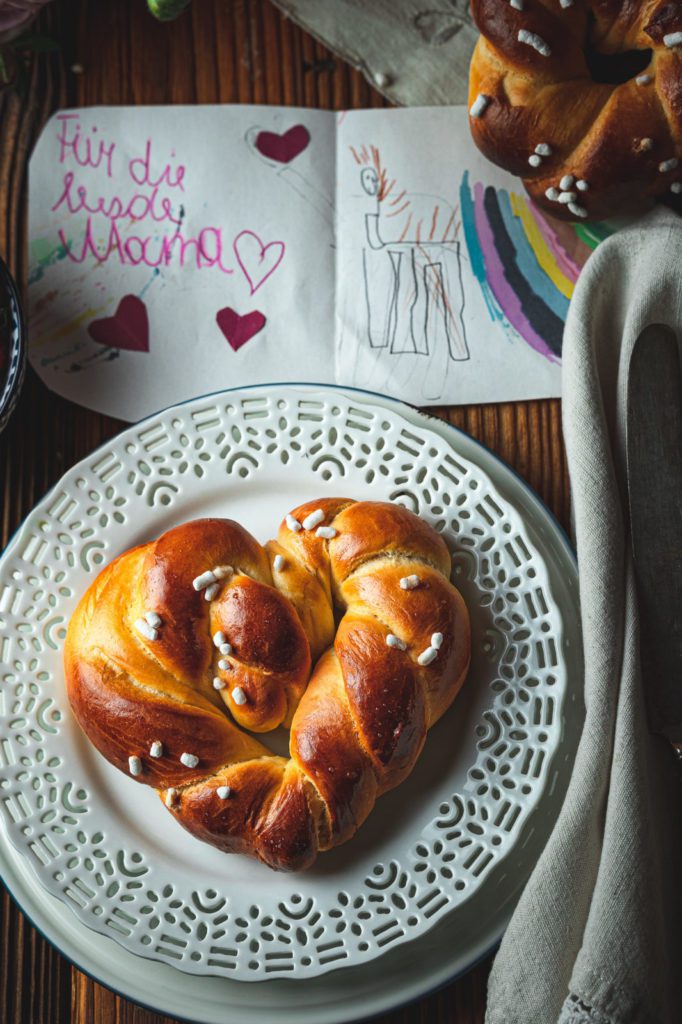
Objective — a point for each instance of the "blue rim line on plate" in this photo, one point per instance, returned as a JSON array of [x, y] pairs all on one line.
[[433, 421], [426, 994], [10, 387]]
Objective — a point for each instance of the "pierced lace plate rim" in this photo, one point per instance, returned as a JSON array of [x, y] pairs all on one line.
[[358, 397]]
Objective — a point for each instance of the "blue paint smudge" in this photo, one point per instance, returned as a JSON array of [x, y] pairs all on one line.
[[476, 257], [155, 273], [526, 261]]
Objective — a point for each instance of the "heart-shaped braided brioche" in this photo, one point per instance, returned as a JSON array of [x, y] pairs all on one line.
[[558, 95], [172, 633]]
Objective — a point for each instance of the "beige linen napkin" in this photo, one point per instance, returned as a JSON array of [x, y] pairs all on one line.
[[597, 935], [415, 53]]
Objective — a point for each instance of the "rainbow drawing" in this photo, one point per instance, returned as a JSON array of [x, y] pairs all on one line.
[[526, 263]]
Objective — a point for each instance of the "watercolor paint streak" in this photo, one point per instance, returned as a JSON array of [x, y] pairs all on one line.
[[524, 310], [44, 255], [476, 256], [565, 263], [545, 246], [592, 234], [526, 265], [544, 282], [64, 330]]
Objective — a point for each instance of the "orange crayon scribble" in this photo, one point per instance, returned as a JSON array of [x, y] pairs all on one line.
[[434, 220], [394, 213], [449, 225], [406, 228]]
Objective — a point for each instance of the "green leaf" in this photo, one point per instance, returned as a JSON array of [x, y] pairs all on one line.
[[166, 10]]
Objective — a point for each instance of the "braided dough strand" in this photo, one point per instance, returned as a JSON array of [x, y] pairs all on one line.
[[537, 111], [381, 677]]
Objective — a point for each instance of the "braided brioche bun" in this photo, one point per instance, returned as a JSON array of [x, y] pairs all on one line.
[[174, 633], [585, 148]]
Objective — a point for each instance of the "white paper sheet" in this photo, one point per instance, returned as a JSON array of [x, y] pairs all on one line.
[[223, 250], [413, 320], [178, 250]]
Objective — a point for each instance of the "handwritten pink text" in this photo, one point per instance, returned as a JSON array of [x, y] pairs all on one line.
[[139, 221]]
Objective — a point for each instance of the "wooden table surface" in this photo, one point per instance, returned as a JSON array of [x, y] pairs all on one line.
[[222, 51]]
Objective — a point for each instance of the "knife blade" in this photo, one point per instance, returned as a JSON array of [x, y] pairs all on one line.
[[654, 471]]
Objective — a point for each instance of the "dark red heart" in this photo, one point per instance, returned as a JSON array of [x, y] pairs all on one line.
[[239, 329], [283, 148], [127, 329]]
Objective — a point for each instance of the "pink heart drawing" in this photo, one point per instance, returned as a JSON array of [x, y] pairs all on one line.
[[239, 329], [256, 260], [127, 329], [283, 148]]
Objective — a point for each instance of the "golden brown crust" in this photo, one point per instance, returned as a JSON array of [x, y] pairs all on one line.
[[369, 529], [169, 567], [358, 723], [614, 137], [271, 654], [324, 745], [385, 697]]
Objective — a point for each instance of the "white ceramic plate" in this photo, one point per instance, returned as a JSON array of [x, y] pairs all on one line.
[[224, 455]]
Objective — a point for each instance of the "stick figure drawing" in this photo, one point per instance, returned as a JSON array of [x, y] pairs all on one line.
[[412, 272], [278, 151]]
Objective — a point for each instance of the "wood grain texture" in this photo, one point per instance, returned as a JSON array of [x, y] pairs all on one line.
[[220, 52]]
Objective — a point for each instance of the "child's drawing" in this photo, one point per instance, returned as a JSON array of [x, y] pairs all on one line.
[[238, 328], [412, 272], [278, 151], [127, 329], [525, 262]]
